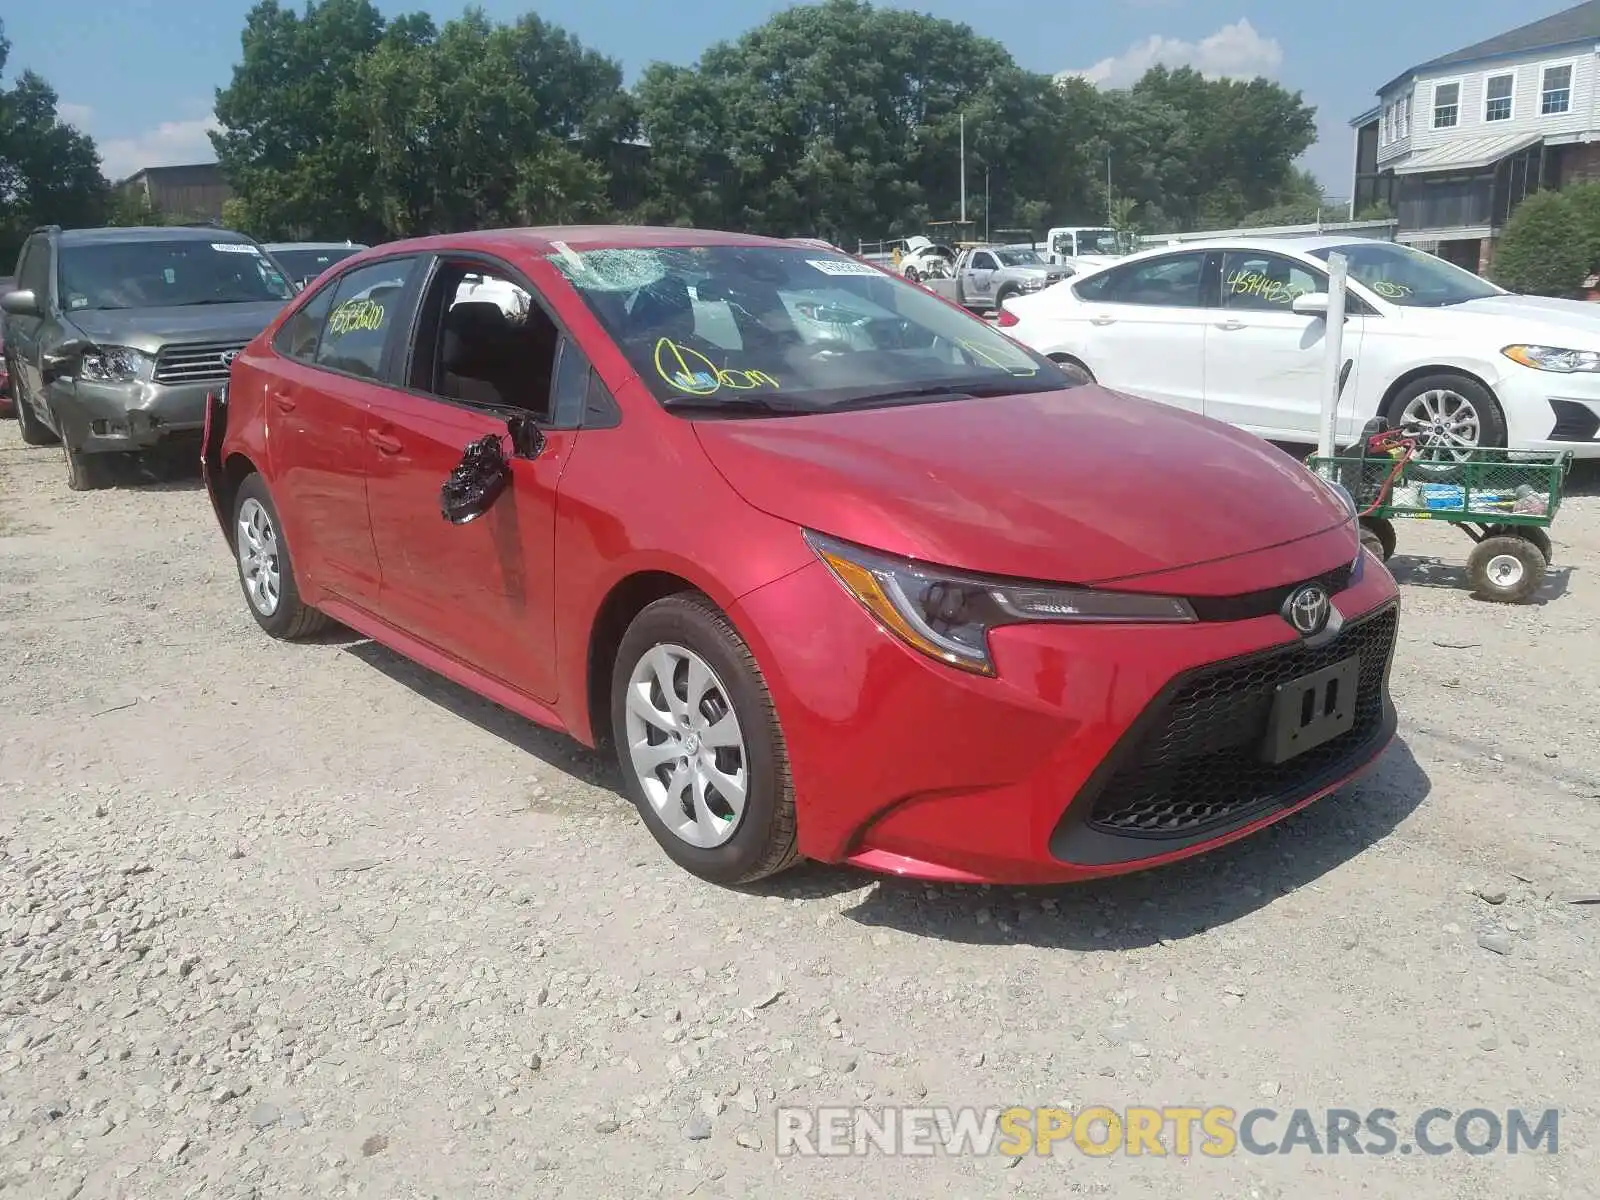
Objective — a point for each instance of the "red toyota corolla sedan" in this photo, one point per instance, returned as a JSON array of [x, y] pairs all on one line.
[[840, 571]]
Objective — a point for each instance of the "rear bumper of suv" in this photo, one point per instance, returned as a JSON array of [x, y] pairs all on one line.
[[100, 417]]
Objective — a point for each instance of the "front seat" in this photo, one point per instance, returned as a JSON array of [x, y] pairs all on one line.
[[477, 356]]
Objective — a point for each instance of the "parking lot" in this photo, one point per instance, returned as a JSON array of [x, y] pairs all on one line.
[[281, 920]]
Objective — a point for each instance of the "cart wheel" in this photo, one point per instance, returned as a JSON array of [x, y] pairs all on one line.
[[1533, 533], [1377, 534], [1506, 569]]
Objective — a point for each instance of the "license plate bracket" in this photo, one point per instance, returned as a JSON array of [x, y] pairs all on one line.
[[1311, 710]]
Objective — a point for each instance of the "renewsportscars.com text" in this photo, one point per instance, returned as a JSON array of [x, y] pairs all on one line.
[[1180, 1131]]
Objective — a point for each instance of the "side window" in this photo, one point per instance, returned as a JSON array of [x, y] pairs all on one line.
[[298, 336], [1172, 282], [984, 262], [570, 391], [365, 303], [33, 269], [1265, 282], [483, 339]]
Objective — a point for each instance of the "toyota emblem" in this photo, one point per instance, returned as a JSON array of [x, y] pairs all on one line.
[[228, 356], [1307, 609]]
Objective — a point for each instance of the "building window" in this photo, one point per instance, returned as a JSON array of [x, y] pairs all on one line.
[[1556, 94], [1446, 105], [1387, 127], [1497, 97], [1403, 117]]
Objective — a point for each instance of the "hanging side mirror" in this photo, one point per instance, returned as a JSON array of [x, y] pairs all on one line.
[[477, 481]]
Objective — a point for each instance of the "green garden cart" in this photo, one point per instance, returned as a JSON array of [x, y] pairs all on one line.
[[1503, 500]]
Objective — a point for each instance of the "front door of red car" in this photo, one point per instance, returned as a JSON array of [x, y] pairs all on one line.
[[332, 359], [482, 592]]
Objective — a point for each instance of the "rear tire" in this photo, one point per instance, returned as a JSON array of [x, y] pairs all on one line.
[[1378, 534], [266, 572], [1075, 370], [34, 431], [1532, 533], [673, 748], [1508, 570]]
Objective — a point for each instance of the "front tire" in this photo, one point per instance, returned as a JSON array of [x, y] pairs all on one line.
[[1447, 412], [85, 472], [266, 572], [699, 745], [1508, 570]]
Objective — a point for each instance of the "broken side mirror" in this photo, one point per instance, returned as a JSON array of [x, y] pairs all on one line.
[[22, 303], [476, 483], [527, 439]]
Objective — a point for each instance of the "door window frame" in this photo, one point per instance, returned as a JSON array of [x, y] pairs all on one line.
[[1210, 280], [1354, 305], [993, 264], [400, 369], [404, 304]]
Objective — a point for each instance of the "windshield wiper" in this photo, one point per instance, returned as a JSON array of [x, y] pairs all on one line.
[[743, 405], [943, 391]]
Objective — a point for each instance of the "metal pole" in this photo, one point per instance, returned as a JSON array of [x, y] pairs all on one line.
[[1108, 187], [986, 204], [1333, 353], [963, 169]]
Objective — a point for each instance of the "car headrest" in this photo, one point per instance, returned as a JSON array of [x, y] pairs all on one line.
[[662, 307], [476, 332]]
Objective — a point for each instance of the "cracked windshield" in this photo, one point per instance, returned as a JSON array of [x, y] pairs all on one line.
[[790, 331]]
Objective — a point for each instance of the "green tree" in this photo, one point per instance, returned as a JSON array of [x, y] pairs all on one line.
[[286, 143], [844, 120], [49, 171], [1583, 200], [130, 208], [1538, 252]]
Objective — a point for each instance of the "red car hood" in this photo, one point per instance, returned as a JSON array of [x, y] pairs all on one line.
[[1080, 486]]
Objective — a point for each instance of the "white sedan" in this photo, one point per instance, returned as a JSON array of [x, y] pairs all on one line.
[[1235, 329]]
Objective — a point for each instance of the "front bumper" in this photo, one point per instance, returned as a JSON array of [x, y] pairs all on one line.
[[1548, 411], [98, 417], [1097, 750]]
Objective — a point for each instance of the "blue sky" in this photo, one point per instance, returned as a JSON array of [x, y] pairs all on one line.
[[140, 74]]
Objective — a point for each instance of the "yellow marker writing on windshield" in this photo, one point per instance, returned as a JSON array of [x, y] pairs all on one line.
[[690, 371]]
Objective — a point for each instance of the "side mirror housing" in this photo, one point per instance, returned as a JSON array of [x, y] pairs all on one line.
[[24, 303], [1311, 304], [476, 483]]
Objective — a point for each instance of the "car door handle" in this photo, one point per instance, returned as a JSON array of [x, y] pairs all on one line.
[[1230, 326], [387, 443], [284, 401], [1102, 320]]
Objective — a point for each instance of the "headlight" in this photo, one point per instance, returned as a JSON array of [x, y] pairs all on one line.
[[947, 615], [1554, 358], [113, 364]]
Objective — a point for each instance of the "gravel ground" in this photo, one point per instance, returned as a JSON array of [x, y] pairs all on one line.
[[306, 920]]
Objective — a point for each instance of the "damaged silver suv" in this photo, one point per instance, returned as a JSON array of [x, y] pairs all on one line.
[[115, 336]]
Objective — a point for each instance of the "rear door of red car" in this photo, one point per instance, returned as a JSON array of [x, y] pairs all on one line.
[[333, 355], [482, 592]]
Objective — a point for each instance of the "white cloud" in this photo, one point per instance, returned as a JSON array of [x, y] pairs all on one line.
[[76, 115], [1234, 51], [170, 143]]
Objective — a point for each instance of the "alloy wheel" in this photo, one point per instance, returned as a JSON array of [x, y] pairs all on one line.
[[1445, 423], [686, 746], [258, 557]]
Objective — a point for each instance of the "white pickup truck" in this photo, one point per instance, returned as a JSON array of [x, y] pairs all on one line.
[[985, 277]]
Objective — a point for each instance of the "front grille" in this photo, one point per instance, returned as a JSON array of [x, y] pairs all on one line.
[[1196, 762], [1268, 602], [200, 363]]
